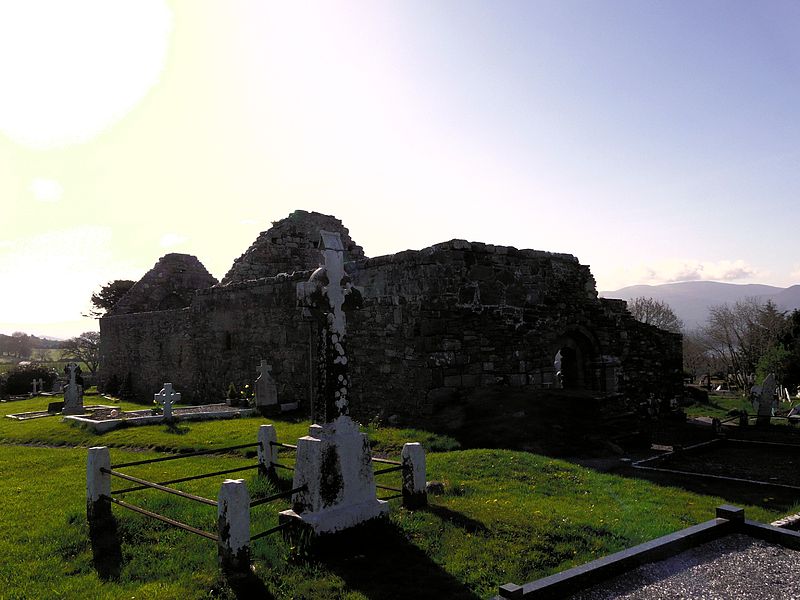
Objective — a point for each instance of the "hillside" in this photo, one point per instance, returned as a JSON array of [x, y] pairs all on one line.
[[690, 299]]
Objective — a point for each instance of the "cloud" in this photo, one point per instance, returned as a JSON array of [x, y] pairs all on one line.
[[46, 190], [697, 270], [168, 240]]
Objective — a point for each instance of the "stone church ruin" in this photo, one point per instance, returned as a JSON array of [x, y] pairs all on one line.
[[438, 328]]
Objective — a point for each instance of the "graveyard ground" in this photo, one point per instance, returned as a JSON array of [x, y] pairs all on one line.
[[505, 516]]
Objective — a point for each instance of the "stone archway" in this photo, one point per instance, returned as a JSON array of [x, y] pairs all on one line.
[[576, 357]]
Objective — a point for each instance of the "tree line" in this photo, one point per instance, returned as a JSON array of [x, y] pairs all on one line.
[[84, 348], [740, 343]]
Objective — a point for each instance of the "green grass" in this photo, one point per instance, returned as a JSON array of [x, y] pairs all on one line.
[[719, 406], [505, 516], [190, 435]]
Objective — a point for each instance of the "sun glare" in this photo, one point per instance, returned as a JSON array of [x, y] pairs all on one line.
[[69, 70]]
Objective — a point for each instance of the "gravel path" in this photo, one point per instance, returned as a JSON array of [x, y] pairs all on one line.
[[736, 566]]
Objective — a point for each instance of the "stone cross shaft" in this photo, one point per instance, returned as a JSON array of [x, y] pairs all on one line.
[[167, 397], [329, 293], [72, 367]]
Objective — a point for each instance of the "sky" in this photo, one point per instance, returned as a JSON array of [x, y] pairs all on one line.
[[656, 141]]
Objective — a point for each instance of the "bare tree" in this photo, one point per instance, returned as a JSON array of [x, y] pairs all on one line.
[[84, 348], [655, 312], [696, 356], [740, 334]]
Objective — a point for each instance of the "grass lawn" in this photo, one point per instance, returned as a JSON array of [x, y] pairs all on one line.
[[719, 405], [505, 516]]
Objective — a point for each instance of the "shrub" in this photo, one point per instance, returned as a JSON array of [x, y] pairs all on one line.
[[18, 379], [126, 388], [112, 385]]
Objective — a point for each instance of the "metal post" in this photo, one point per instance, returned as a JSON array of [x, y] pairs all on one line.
[[413, 460], [233, 522], [267, 452], [98, 484]]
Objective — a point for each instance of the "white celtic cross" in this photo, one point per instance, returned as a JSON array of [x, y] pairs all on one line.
[[166, 397]]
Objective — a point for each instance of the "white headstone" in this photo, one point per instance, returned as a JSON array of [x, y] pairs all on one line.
[[35, 383], [166, 398], [766, 401], [266, 390], [73, 393]]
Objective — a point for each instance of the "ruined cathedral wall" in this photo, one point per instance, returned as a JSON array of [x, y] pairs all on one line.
[[238, 325], [442, 322], [150, 348], [651, 358], [437, 325]]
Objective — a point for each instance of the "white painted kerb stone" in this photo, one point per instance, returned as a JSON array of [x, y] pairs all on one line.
[[414, 475], [233, 516], [98, 484], [266, 451]]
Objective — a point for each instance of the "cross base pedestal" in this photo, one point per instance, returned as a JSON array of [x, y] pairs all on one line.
[[334, 465]]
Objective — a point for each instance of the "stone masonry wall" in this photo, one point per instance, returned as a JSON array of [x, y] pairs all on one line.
[[437, 325], [151, 348], [170, 284], [442, 322], [291, 244]]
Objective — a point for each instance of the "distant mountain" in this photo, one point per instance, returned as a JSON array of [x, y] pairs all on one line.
[[690, 299]]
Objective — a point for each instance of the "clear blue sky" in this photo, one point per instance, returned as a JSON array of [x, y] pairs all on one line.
[[656, 141]]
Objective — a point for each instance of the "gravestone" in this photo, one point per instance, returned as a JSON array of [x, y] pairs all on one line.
[[266, 390], [166, 398], [334, 463], [73, 391], [57, 386], [766, 401], [35, 385]]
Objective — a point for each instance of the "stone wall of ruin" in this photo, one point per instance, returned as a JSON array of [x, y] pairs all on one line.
[[150, 348], [291, 244], [443, 322], [437, 325], [170, 284]]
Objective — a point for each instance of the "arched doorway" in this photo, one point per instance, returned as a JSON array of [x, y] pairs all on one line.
[[575, 360]]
